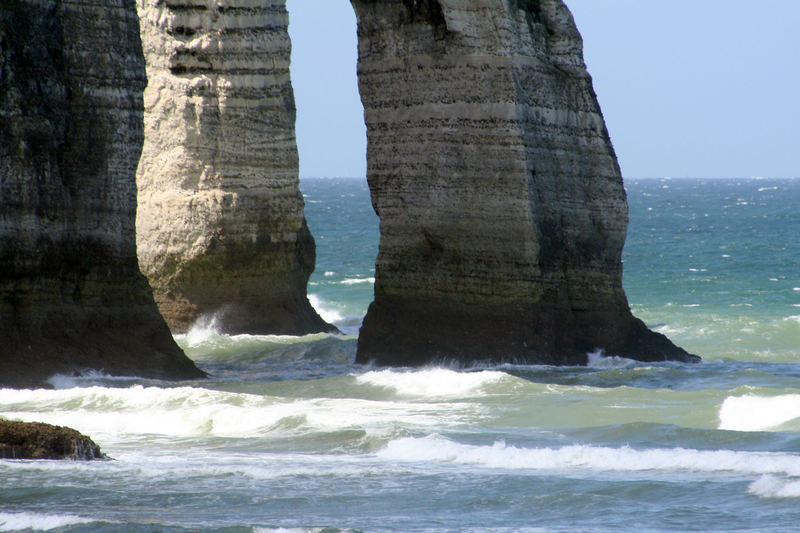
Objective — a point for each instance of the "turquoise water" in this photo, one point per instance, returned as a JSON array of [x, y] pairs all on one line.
[[289, 435]]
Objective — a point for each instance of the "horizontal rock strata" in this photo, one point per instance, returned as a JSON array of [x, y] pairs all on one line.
[[71, 294], [501, 204], [220, 223], [33, 440]]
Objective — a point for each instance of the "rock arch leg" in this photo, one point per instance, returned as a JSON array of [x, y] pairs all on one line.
[[502, 209], [71, 293], [220, 223]]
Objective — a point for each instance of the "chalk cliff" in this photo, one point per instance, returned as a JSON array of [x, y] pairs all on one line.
[[220, 225], [502, 210], [71, 294]]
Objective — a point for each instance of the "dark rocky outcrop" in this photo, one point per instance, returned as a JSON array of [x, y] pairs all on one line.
[[220, 224], [33, 440], [501, 204], [71, 294]]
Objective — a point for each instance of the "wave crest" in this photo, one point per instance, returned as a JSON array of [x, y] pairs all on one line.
[[595, 458], [758, 413], [433, 382]]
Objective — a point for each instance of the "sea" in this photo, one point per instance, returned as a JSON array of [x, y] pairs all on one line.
[[288, 434]]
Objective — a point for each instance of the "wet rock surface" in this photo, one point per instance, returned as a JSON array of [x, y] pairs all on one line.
[[33, 440]]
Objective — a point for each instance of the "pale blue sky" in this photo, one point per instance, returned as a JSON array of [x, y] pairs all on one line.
[[696, 88]]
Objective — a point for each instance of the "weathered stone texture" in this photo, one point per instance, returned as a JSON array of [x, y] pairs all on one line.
[[220, 223], [33, 440], [71, 294], [503, 214]]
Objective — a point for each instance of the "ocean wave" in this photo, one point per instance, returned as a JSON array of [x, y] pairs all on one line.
[[203, 330], [758, 413], [204, 343], [87, 377], [593, 458], [770, 486], [433, 382], [598, 359], [300, 530], [205, 333], [325, 309], [39, 522], [356, 281], [119, 414]]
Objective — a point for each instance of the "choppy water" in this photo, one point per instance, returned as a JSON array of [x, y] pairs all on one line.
[[290, 435]]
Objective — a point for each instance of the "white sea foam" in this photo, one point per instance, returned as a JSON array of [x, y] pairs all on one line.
[[293, 530], [592, 458], [432, 382], [325, 309], [204, 329], [38, 522], [770, 486], [758, 413], [355, 281], [87, 378], [116, 414], [598, 359]]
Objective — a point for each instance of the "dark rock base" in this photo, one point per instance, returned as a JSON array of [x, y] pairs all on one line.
[[414, 333], [32, 354], [257, 289], [251, 315], [23, 440]]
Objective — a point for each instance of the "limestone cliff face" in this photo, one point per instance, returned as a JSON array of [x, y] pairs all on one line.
[[71, 294], [220, 223], [503, 214]]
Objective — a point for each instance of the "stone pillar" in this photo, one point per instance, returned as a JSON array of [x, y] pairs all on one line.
[[220, 226], [501, 204], [71, 294]]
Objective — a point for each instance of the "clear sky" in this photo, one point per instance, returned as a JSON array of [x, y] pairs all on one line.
[[695, 88]]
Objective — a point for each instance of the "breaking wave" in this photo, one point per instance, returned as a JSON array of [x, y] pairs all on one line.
[[758, 413], [591, 458]]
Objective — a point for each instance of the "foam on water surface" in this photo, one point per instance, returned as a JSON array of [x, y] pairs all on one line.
[[591, 458], [770, 486], [599, 359], [38, 521], [758, 413], [325, 309], [355, 281], [117, 414], [434, 382]]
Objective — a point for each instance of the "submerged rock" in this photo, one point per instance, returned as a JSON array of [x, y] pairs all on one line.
[[220, 223], [71, 294], [33, 440], [503, 213]]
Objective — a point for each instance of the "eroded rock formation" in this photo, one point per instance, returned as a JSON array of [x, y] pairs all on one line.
[[501, 204], [71, 294], [33, 440], [220, 224]]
